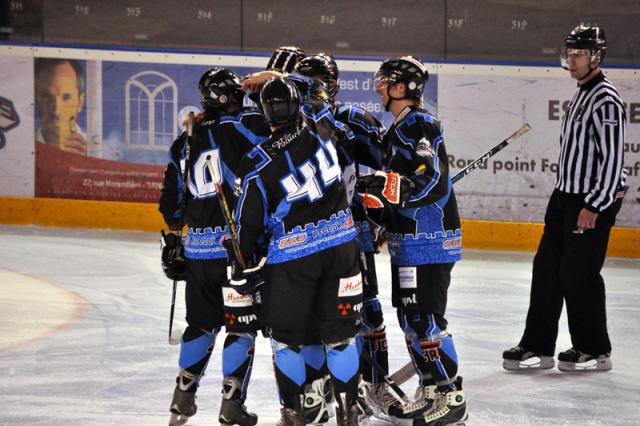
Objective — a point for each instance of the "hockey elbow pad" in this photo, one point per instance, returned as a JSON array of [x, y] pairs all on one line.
[[384, 187]]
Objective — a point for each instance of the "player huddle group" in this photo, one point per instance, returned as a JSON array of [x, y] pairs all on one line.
[[286, 205], [312, 188]]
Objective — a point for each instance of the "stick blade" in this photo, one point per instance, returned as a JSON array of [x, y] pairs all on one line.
[[175, 337]]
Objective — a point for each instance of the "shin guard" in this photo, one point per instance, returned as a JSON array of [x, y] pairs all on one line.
[[237, 360], [289, 366], [195, 349], [431, 348]]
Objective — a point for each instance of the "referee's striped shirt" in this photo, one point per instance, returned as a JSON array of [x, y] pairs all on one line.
[[591, 144]]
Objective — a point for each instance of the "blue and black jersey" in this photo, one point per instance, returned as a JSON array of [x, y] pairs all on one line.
[[359, 144], [292, 190], [426, 229], [225, 139]]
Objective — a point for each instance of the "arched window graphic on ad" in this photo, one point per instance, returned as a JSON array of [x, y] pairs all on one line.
[[151, 111]]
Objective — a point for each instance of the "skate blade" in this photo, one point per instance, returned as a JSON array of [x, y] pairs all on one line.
[[533, 363], [592, 365], [178, 419]]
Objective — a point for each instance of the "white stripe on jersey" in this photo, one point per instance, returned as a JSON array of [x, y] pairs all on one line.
[[591, 144]]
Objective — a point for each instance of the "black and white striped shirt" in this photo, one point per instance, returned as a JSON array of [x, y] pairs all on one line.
[[592, 144]]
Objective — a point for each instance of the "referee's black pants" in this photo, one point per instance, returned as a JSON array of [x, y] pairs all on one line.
[[567, 268]]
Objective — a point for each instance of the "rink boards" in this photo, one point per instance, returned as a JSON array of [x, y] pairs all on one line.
[[479, 105]]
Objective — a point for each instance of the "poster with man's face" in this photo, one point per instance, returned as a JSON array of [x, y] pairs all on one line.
[[60, 87]]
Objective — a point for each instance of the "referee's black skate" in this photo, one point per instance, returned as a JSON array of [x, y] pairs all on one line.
[[183, 405], [575, 360], [232, 410], [521, 359]]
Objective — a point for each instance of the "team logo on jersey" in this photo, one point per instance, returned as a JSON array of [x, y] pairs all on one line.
[[424, 148]]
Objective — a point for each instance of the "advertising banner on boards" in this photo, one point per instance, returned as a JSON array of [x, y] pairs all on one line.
[[16, 126]]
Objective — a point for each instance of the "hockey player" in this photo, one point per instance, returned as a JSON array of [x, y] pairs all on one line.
[[223, 133], [292, 189], [285, 58], [424, 236], [358, 145]]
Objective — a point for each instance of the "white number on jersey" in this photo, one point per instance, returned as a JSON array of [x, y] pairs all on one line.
[[310, 188], [201, 183]]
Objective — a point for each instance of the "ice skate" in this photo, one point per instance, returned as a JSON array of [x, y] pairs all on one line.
[[347, 412], [232, 410], [422, 402], [290, 417], [183, 405], [364, 409], [381, 400], [317, 402], [449, 409], [520, 359], [575, 360]]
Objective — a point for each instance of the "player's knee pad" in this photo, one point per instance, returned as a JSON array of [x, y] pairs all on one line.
[[290, 369], [238, 352], [237, 362], [196, 348], [315, 359], [343, 360], [372, 318]]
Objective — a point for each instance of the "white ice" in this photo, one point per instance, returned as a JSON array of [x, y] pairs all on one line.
[[83, 338]]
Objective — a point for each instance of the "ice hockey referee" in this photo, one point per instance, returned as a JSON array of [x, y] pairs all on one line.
[[582, 209]]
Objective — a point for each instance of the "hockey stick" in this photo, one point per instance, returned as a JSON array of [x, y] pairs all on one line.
[[407, 371], [226, 212], [493, 151], [398, 393], [176, 335]]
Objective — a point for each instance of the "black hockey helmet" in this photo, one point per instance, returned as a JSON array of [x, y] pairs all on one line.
[[285, 58], [280, 101], [405, 69], [322, 66], [590, 37], [217, 86]]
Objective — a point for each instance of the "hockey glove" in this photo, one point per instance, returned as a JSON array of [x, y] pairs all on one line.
[[384, 187], [244, 281], [172, 257], [248, 280]]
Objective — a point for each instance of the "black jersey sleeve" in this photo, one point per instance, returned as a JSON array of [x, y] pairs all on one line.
[[251, 205], [422, 139], [171, 192], [368, 149]]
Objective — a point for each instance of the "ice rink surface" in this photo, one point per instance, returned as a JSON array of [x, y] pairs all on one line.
[[83, 338]]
